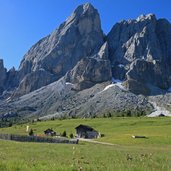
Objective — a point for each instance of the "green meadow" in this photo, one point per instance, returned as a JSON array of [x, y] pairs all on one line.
[[126, 153]]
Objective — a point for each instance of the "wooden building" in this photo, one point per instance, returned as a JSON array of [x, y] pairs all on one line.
[[84, 131], [49, 132]]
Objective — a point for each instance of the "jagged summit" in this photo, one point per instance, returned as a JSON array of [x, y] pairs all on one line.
[[142, 46], [143, 17], [85, 13], [83, 9], [78, 37]]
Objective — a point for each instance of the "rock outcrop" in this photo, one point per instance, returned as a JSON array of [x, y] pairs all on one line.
[[139, 51], [91, 70], [11, 79], [33, 81], [8, 79], [78, 37], [134, 39], [3, 74], [146, 73]]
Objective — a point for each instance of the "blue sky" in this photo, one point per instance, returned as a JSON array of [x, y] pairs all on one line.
[[24, 22]]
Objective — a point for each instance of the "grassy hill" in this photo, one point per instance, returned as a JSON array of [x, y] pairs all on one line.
[[152, 153]]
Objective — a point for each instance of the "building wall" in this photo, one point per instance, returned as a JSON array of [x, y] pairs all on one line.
[[87, 134]]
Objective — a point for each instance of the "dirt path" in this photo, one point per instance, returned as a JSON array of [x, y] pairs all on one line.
[[97, 142]]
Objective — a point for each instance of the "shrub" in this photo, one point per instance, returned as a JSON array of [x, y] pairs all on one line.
[[64, 134], [53, 118], [71, 135], [102, 135], [128, 113], [10, 124], [31, 133], [109, 115]]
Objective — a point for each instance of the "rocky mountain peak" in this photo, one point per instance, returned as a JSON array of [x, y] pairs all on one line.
[[143, 17], [86, 17], [3, 70], [78, 37], [86, 8], [142, 47], [1, 63], [12, 69], [2, 76]]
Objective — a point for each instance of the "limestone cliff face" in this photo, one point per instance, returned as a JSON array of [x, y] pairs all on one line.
[[8, 79], [78, 37], [72, 68], [132, 39], [139, 51], [136, 51], [33, 81], [2, 76], [11, 79], [148, 74], [91, 70]]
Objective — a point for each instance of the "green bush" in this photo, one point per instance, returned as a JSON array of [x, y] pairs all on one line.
[[71, 135], [31, 133], [64, 134]]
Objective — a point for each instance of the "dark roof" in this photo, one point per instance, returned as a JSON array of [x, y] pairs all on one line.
[[49, 130], [161, 114], [84, 127]]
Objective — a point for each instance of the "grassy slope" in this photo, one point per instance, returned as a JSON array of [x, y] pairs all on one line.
[[153, 153]]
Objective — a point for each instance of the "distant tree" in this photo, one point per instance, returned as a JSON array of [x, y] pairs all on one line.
[[64, 134], [102, 135], [73, 116], [142, 113], [31, 133], [10, 124], [128, 113], [71, 135], [109, 115], [53, 118]]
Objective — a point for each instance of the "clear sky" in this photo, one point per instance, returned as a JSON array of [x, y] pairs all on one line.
[[24, 22]]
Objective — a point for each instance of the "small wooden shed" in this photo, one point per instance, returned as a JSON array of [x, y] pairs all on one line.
[[49, 132], [84, 131]]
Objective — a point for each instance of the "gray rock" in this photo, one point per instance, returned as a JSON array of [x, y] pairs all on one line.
[[12, 79], [116, 102], [8, 81], [162, 100], [132, 39], [78, 37], [163, 32], [142, 47], [144, 73], [103, 52], [137, 87], [33, 81], [91, 70], [3, 74], [61, 100]]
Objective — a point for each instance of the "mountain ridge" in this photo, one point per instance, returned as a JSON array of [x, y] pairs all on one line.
[[77, 57]]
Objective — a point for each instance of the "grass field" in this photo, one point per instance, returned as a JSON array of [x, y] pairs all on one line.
[[152, 153]]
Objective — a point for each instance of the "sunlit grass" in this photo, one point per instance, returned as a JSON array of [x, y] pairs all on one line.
[[153, 153]]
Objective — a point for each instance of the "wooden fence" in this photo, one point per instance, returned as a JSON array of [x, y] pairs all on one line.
[[25, 138]]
